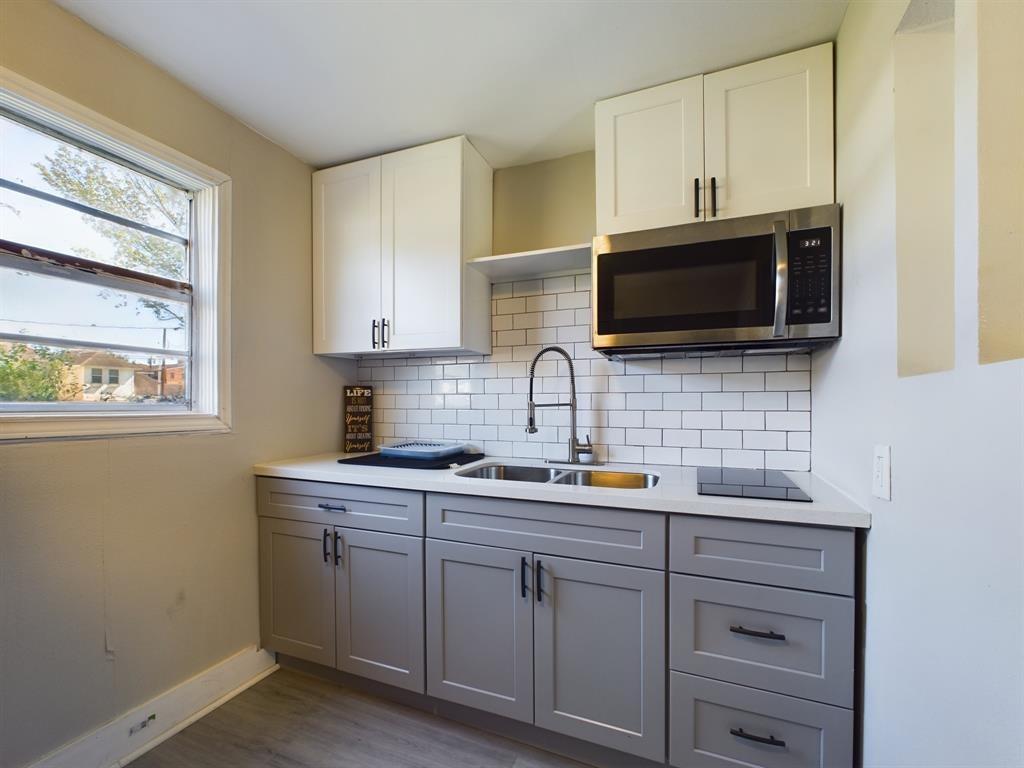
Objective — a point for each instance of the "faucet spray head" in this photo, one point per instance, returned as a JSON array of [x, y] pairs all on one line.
[[530, 418]]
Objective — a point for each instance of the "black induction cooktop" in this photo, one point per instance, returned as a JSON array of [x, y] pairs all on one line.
[[748, 483]]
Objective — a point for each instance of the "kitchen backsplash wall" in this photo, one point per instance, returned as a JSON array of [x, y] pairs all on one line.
[[752, 411]]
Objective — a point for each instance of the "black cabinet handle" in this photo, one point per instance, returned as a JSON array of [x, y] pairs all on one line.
[[540, 589], [770, 740], [767, 635], [522, 576], [714, 196], [326, 553], [338, 544], [696, 198], [373, 325], [384, 340], [332, 507]]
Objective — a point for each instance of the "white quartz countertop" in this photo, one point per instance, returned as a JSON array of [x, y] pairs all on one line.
[[676, 491]]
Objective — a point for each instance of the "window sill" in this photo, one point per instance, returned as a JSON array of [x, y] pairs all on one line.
[[81, 426]]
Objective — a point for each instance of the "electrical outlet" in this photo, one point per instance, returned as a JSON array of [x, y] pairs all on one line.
[[881, 473]]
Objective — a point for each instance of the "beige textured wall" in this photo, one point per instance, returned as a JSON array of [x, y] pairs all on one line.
[[128, 565], [1001, 182], [546, 204]]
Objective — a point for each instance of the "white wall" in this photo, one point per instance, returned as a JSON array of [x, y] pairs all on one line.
[[129, 565], [944, 670]]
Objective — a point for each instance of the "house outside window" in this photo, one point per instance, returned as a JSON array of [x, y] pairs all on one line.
[[113, 258]]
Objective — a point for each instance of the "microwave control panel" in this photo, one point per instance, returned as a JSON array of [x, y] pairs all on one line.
[[810, 276]]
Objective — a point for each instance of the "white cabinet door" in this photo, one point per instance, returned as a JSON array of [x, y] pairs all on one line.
[[421, 275], [599, 654], [650, 158], [480, 627], [380, 606], [346, 257], [768, 134]]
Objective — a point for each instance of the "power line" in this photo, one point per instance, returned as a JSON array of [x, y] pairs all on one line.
[[91, 325]]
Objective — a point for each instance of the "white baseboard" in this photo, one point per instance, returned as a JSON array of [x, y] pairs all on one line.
[[112, 746]]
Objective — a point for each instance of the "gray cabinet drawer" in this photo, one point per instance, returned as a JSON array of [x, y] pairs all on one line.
[[351, 506], [719, 725], [798, 556], [589, 533], [799, 643]]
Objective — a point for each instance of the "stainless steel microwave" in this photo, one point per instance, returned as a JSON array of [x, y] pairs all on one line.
[[756, 283]]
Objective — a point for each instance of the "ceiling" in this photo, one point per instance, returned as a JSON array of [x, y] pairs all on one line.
[[337, 81]]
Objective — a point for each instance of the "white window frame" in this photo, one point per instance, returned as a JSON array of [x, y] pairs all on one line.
[[211, 276]]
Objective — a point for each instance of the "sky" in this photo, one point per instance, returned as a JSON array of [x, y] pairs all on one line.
[[36, 305]]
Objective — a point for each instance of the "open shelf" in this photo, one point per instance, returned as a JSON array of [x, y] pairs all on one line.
[[526, 265]]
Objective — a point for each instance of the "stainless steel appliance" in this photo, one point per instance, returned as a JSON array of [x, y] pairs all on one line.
[[756, 283]]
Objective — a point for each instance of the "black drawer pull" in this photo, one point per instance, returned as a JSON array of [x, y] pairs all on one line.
[[338, 544], [332, 507], [696, 198], [522, 576], [770, 740], [326, 553], [769, 635], [540, 588], [714, 197]]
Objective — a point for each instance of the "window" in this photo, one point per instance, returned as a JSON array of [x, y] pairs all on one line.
[[111, 260]]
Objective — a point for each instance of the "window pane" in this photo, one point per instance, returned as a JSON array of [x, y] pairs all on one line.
[[65, 376], [52, 307], [34, 222], [42, 162]]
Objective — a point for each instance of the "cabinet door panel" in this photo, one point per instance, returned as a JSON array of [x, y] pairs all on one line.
[[421, 215], [346, 257], [599, 645], [480, 628], [649, 152], [296, 590], [380, 606], [768, 133]]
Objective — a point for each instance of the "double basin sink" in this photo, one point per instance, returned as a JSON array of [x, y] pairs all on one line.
[[560, 476]]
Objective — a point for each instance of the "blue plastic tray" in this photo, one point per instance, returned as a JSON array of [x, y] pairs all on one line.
[[423, 449]]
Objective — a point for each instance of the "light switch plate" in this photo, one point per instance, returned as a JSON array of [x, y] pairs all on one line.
[[881, 473]]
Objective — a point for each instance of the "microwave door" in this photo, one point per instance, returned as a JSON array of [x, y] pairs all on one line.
[[690, 293]]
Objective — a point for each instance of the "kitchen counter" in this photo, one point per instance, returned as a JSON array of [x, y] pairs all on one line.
[[676, 491]]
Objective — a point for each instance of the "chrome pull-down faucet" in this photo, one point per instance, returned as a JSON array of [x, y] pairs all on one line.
[[576, 448]]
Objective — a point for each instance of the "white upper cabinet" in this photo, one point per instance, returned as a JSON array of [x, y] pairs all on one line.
[[650, 157], [752, 139], [346, 257], [768, 134], [391, 238]]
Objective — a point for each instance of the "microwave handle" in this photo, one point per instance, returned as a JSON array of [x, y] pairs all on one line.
[[781, 278]]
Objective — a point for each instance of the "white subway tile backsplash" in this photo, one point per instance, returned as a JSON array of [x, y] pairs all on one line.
[[747, 411], [789, 421], [732, 364]]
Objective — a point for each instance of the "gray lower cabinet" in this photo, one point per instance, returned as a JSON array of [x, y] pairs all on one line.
[[297, 589], [721, 725], [480, 627], [783, 640], [379, 606], [599, 654]]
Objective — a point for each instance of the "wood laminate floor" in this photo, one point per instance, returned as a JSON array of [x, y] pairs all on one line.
[[291, 720]]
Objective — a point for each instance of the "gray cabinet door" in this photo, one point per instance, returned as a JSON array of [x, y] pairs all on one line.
[[599, 654], [297, 589], [379, 610], [480, 627]]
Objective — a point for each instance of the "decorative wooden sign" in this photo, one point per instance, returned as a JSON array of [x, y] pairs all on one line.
[[358, 419]]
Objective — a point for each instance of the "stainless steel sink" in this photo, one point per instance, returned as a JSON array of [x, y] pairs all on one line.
[[601, 479], [589, 477], [513, 472]]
